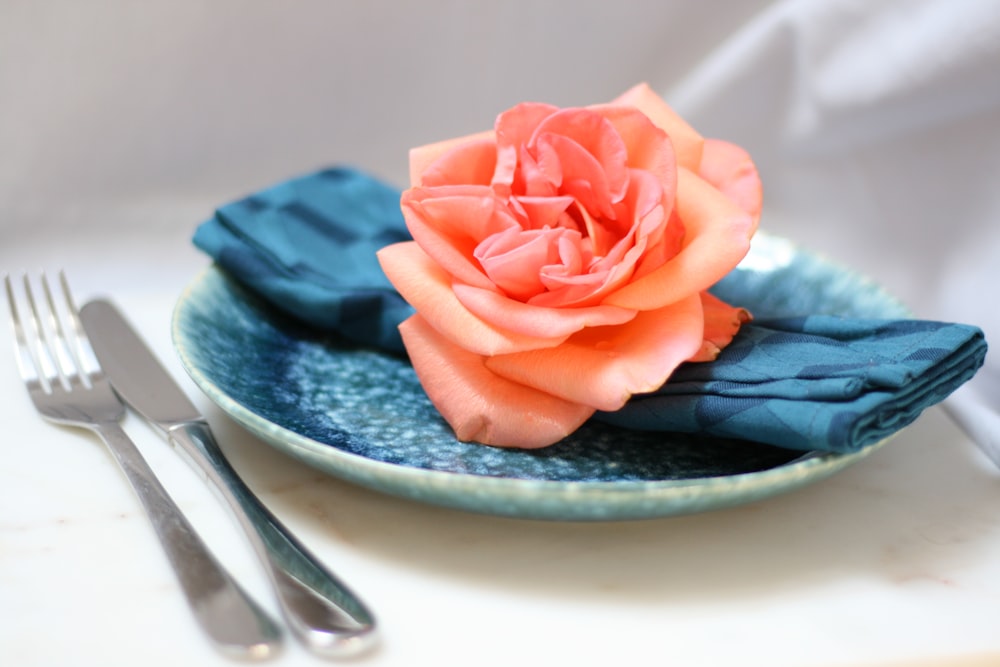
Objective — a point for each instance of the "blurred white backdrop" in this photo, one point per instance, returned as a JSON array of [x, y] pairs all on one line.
[[876, 125]]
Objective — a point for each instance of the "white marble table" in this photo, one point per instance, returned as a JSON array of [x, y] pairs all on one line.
[[895, 561]]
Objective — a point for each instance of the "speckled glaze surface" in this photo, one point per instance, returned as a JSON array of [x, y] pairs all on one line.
[[360, 414]]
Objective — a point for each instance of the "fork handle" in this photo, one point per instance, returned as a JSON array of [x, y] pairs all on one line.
[[320, 609], [236, 624]]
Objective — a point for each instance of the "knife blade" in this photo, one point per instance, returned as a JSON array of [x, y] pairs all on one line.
[[322, 612]]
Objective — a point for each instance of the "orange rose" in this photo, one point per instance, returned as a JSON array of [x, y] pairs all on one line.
[[560, 262]]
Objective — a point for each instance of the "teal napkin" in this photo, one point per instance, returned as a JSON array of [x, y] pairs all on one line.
[[308, 247], [824, 383], [816, 382]]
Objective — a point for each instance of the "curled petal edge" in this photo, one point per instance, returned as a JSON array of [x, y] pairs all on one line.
[[537, 321], [479, 405], [717, 237], [687, 141], [422, 157], [604, 367], [428, 288], [730, 168], [722, 323]]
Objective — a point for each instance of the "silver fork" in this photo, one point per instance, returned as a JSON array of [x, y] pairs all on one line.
[[67, 386]]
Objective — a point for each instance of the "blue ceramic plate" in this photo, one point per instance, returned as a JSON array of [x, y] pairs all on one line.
[[360, 414]]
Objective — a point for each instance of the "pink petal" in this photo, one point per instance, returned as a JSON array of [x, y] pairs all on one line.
[[687, 142], [543, 211], [729, 168], [513, 259], [581, 290], [602, 367], [427, 287], [592, 134], [722, 323], [450, 222], [583, 177], [468, 163], [536, 321], [664, 244], [647, 201], [644, 203], [514, 128], [600, 236], [422, 156], [622, 248], [717, 237], [531, 179], [477, 404], [648, 147]]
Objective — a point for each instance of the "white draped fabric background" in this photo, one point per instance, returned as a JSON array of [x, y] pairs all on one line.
[[877, 128], [875, 124]]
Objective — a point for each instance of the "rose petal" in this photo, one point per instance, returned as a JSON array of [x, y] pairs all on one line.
[[600, 234], [468, 163], [428, 288], [622, 246], [536, 321], [422, 156], [581, 175], [450, 222], [648, 147], [514, 258], [602, 367], [722, 323], [530, 179], [647, 202], [717, 237], [477, 404], [686, 140], [663, 245], [592, 134], [543, 211], [514, 128], [729, 168]]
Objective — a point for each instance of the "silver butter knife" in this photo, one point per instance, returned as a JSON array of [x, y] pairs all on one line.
[[322, 612]]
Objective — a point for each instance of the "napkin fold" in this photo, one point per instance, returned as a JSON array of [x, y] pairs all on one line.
[[816, 382], [308, 247], [813, 383]]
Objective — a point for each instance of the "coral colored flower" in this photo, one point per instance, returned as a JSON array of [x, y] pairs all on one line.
[[560, 262]]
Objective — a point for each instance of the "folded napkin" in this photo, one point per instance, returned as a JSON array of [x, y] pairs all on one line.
[[308, 247], [812, 383], [816, 382]]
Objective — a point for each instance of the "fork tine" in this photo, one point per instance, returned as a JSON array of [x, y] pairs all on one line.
[[68, 340], [39, 339], [26, 364], [38, 342], [85, 356], [58, 343]]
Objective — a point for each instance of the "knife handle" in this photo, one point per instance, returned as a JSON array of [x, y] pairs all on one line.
[[320, 609], [234, 622]]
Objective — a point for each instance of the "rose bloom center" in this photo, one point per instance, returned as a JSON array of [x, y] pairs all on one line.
[[575, 220]]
